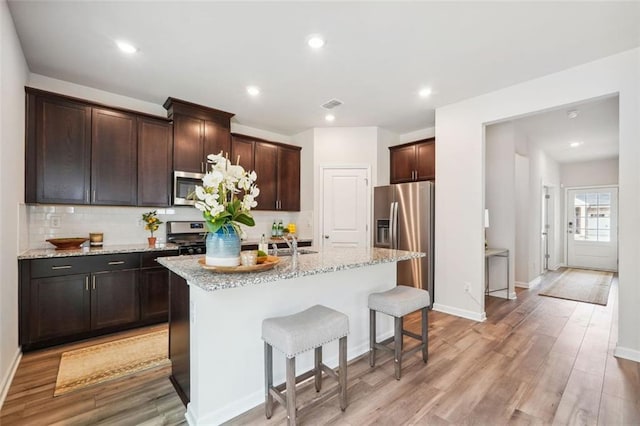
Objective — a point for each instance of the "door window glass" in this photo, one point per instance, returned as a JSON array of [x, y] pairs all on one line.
[[592, 216]]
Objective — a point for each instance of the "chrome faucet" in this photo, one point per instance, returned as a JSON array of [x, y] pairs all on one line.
[[292, 242], [275, 249]]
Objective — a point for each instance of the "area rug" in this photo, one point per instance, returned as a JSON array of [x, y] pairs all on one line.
[[582, 285], [108, 361]]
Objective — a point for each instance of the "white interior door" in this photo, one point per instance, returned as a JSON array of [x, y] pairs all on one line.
[[345, 207], [592, 228]]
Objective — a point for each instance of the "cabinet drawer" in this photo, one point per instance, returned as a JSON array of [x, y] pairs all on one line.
[[148, 258], [83, 264], [59, 266]]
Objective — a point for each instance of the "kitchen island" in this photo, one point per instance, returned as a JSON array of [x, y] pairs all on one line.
[[224, 313]]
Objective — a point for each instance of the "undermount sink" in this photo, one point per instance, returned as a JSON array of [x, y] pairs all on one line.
[[288, 252]]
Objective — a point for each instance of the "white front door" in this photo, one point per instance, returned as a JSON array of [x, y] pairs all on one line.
[[592, 228], [345, 207]]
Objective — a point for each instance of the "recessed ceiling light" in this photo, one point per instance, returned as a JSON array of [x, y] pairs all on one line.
[[126, 47], [253, 90], [425, 92], [573, 113], [575, 144], [315, 41], [330, 117]]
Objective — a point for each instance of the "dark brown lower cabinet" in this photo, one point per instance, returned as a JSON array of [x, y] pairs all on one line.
[[154, 294], [64, 299], [114, 298], [59, 306], [179, 349]]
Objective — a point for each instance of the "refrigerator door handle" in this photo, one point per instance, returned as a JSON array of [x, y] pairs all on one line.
[[394, 240], [391, 226]]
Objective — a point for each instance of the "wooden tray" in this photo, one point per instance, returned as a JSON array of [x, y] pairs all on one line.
[[268, 263]]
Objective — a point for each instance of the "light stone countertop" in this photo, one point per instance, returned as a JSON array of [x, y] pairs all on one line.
[[307, 264], [91, 251]]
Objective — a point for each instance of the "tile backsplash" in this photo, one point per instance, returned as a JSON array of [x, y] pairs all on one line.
[[123, 225]]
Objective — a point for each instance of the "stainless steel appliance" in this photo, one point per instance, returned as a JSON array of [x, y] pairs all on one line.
[[403, 220], [189, 236], [184, 183]]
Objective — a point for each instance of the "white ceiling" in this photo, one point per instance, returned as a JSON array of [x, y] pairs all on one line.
[[378, 54], [596, 126]]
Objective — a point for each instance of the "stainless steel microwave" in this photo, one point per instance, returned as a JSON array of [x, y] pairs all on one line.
[[184, 183]]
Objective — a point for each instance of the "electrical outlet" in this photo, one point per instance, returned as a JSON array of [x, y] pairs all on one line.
[[467, 287], [54, 221]]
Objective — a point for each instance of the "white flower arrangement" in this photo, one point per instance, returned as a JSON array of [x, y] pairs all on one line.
[[219, 196]]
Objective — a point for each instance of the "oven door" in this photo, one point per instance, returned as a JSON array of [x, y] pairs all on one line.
[[184, 183]]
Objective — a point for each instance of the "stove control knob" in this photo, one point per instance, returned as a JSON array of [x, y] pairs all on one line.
[[190, 251], [199, 250]]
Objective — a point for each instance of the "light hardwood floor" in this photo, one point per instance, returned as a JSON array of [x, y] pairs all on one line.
[[536, 360]]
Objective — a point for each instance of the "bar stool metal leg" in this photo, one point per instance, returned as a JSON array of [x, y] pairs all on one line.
[[397, 357], [268, 379], [425, 335], [372, 338], [342, 366], [318, 368], [291, 391]]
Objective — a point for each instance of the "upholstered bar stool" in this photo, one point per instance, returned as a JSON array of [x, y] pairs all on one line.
[[397, 303], [297, 333]]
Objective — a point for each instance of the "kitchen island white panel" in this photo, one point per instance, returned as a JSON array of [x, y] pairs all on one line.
[[227, 310]]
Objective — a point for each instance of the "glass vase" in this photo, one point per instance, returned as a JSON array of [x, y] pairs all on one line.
[[223, 247]]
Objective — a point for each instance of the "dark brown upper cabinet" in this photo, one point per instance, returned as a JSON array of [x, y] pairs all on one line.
[[114, 166], [79, 152], [58, 151], [277, 167], [415, 161], [155, 145], [197, 132]]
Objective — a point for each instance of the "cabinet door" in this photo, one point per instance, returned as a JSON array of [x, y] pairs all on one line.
[[114, 179], [426, 160], [216, 139], [188, 144], [289, 179], [266, 163], [154, 294], [243, 148], [114, 298], [62, 150], [154, 162], [402, 164], [59, 306], [179, 339]]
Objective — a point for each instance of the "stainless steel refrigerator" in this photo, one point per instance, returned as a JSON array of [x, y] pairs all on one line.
[[403, 220]]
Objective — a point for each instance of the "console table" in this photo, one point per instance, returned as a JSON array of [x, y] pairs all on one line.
[[489, 253]]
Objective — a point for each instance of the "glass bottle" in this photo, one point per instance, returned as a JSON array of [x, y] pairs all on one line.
[[280, 229], [274, 230]]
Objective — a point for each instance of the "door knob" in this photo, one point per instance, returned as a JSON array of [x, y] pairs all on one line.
[[326, 237]]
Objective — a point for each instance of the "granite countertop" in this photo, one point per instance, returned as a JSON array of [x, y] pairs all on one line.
[[90, 251], [307, 264]]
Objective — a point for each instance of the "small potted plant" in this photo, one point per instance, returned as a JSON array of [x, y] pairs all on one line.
[[152, 223]]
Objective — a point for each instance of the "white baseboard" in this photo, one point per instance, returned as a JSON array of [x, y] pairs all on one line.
[[475, 316], [627, 353], [534, 282], [558, 266], [8, 378], [521, 284]]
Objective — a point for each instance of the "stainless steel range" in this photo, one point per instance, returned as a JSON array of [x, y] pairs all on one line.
[[188, 236]]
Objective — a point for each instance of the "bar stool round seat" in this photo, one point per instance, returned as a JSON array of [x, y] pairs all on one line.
[[398, 302], [298, 333]]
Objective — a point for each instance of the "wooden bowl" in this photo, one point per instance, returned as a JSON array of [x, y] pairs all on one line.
[[67, 243]]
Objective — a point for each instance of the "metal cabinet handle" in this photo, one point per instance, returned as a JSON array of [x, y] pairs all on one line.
[[55, 268], [94, 196], [86, 196], [116, 262], [93, 282], [86, 283]]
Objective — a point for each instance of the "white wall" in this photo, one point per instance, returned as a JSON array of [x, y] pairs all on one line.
[[13, 77], [417, 135], [521, 254], [500, 200], [385, 140], [459, 199], [590, 173]]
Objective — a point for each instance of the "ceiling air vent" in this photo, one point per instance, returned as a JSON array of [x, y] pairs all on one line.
[[331, 104]]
